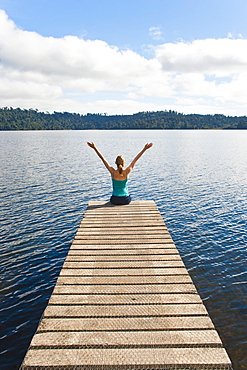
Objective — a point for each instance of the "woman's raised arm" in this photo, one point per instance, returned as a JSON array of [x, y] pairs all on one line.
[[132, 164], [93, 146]]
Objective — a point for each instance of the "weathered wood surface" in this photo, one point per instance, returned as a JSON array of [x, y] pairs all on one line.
[[124, 300]]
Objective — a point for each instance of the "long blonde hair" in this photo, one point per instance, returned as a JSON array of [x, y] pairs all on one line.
[[120, 163]]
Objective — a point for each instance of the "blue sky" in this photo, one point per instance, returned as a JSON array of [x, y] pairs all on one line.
[[126, 23], [124, 56]]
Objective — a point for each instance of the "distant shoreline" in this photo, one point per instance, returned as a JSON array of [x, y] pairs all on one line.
[[17, 119]]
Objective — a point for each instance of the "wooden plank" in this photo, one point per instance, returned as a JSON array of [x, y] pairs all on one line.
[[123, 213], [123, 272], [130, 338], [124, 311], [123, 253], [121, 258], [127, 323], [94, 222], [116, 241], [148, 358], [104, 299], [141, 238], [121, 231], [138, 279], [126, 228], [77, 244], [124, 300], [122, 264], [125, 289]]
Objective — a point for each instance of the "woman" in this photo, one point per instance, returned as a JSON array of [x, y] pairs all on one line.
[[120, 175]]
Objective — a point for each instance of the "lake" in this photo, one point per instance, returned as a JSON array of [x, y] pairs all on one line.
[[198, 180]]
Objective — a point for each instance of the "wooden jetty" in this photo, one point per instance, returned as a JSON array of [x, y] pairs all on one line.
[[124, 300]]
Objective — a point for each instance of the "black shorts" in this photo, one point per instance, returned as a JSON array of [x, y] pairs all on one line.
[[120, 200]]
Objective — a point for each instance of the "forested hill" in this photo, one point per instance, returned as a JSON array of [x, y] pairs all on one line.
[[31, 119]]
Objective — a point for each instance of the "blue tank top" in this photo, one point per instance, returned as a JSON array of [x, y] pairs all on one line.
[[120, 188]]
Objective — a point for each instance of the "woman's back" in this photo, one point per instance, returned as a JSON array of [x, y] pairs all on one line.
[[120, 176], [120, 188]]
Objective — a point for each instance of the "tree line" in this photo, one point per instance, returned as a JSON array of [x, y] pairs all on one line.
[[32, 119]]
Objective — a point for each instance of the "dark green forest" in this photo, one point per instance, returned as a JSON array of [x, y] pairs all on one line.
[[32, 119]]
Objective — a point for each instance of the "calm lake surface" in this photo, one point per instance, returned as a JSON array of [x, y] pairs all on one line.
[[198, 179]]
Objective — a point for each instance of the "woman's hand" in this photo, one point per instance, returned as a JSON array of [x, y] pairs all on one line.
[[148, 145], [91, 145]]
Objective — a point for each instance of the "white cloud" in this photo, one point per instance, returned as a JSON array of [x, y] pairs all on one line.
[[156, 33], [216, 56], [78, 75], [89, 65]]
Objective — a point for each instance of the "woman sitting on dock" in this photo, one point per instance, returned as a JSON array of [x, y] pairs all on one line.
[[120, 194]]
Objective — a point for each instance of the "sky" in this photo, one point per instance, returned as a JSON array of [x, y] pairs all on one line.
[[124, 56]]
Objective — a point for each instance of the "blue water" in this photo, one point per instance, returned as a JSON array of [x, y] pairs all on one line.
[[198, 180]]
